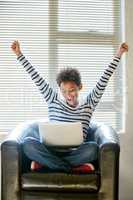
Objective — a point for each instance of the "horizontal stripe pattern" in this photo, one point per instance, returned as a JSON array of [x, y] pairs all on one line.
[[57, 108]]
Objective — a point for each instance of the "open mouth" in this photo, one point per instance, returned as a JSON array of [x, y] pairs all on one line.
[[70, 100]]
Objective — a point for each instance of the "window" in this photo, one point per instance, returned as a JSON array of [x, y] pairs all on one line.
[[54, 34]]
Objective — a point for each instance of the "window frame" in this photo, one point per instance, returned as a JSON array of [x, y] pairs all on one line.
[[57, 37], [66, 37]]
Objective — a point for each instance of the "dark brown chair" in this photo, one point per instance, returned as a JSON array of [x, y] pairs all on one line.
[[18, 183]]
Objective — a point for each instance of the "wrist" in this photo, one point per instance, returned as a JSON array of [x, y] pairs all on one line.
[[119, 54], [18, 53]]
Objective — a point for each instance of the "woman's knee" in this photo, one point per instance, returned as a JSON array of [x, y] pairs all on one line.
[[31, 130], [92, 145], [91, 148], [29, 144]]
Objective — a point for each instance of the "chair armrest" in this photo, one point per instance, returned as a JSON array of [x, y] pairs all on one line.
[[105, 135], [10, 170], [109, 150]]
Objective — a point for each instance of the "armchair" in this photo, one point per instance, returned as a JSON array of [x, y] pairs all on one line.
[[19, 183]]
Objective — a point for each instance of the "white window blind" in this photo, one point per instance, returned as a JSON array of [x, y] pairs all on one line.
[[53, 34]]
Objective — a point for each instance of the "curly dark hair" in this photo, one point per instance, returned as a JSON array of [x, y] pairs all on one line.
[[68, 74]]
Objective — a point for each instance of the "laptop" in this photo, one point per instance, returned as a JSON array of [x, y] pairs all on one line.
[[61, 134]]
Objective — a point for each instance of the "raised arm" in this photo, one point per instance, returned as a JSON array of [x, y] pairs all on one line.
[[48, 93], [97, 92]]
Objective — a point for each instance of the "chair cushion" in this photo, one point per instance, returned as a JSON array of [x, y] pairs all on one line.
[[61, 182]]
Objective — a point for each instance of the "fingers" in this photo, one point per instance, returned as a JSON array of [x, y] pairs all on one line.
[[16, 47], [124, 46], [15, 44]]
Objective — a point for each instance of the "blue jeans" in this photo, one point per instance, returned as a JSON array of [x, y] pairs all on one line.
[[54, 159]]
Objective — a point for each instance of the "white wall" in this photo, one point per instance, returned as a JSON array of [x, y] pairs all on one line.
[[126, 158]]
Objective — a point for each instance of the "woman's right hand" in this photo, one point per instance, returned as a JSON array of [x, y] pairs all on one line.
[[16, 48]]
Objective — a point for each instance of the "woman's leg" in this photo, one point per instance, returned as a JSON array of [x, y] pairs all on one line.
[[86, 153], [35, 149], [38, 152], [26, 129]]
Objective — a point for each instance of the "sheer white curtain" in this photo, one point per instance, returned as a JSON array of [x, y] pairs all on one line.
[[53, 34]]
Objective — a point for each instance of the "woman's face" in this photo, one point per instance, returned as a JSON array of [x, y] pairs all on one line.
[[70, 92]]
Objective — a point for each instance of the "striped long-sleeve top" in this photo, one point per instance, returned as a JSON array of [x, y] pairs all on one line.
[[59, 110]]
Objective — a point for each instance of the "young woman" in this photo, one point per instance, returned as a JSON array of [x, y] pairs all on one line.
[[69, 110]]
